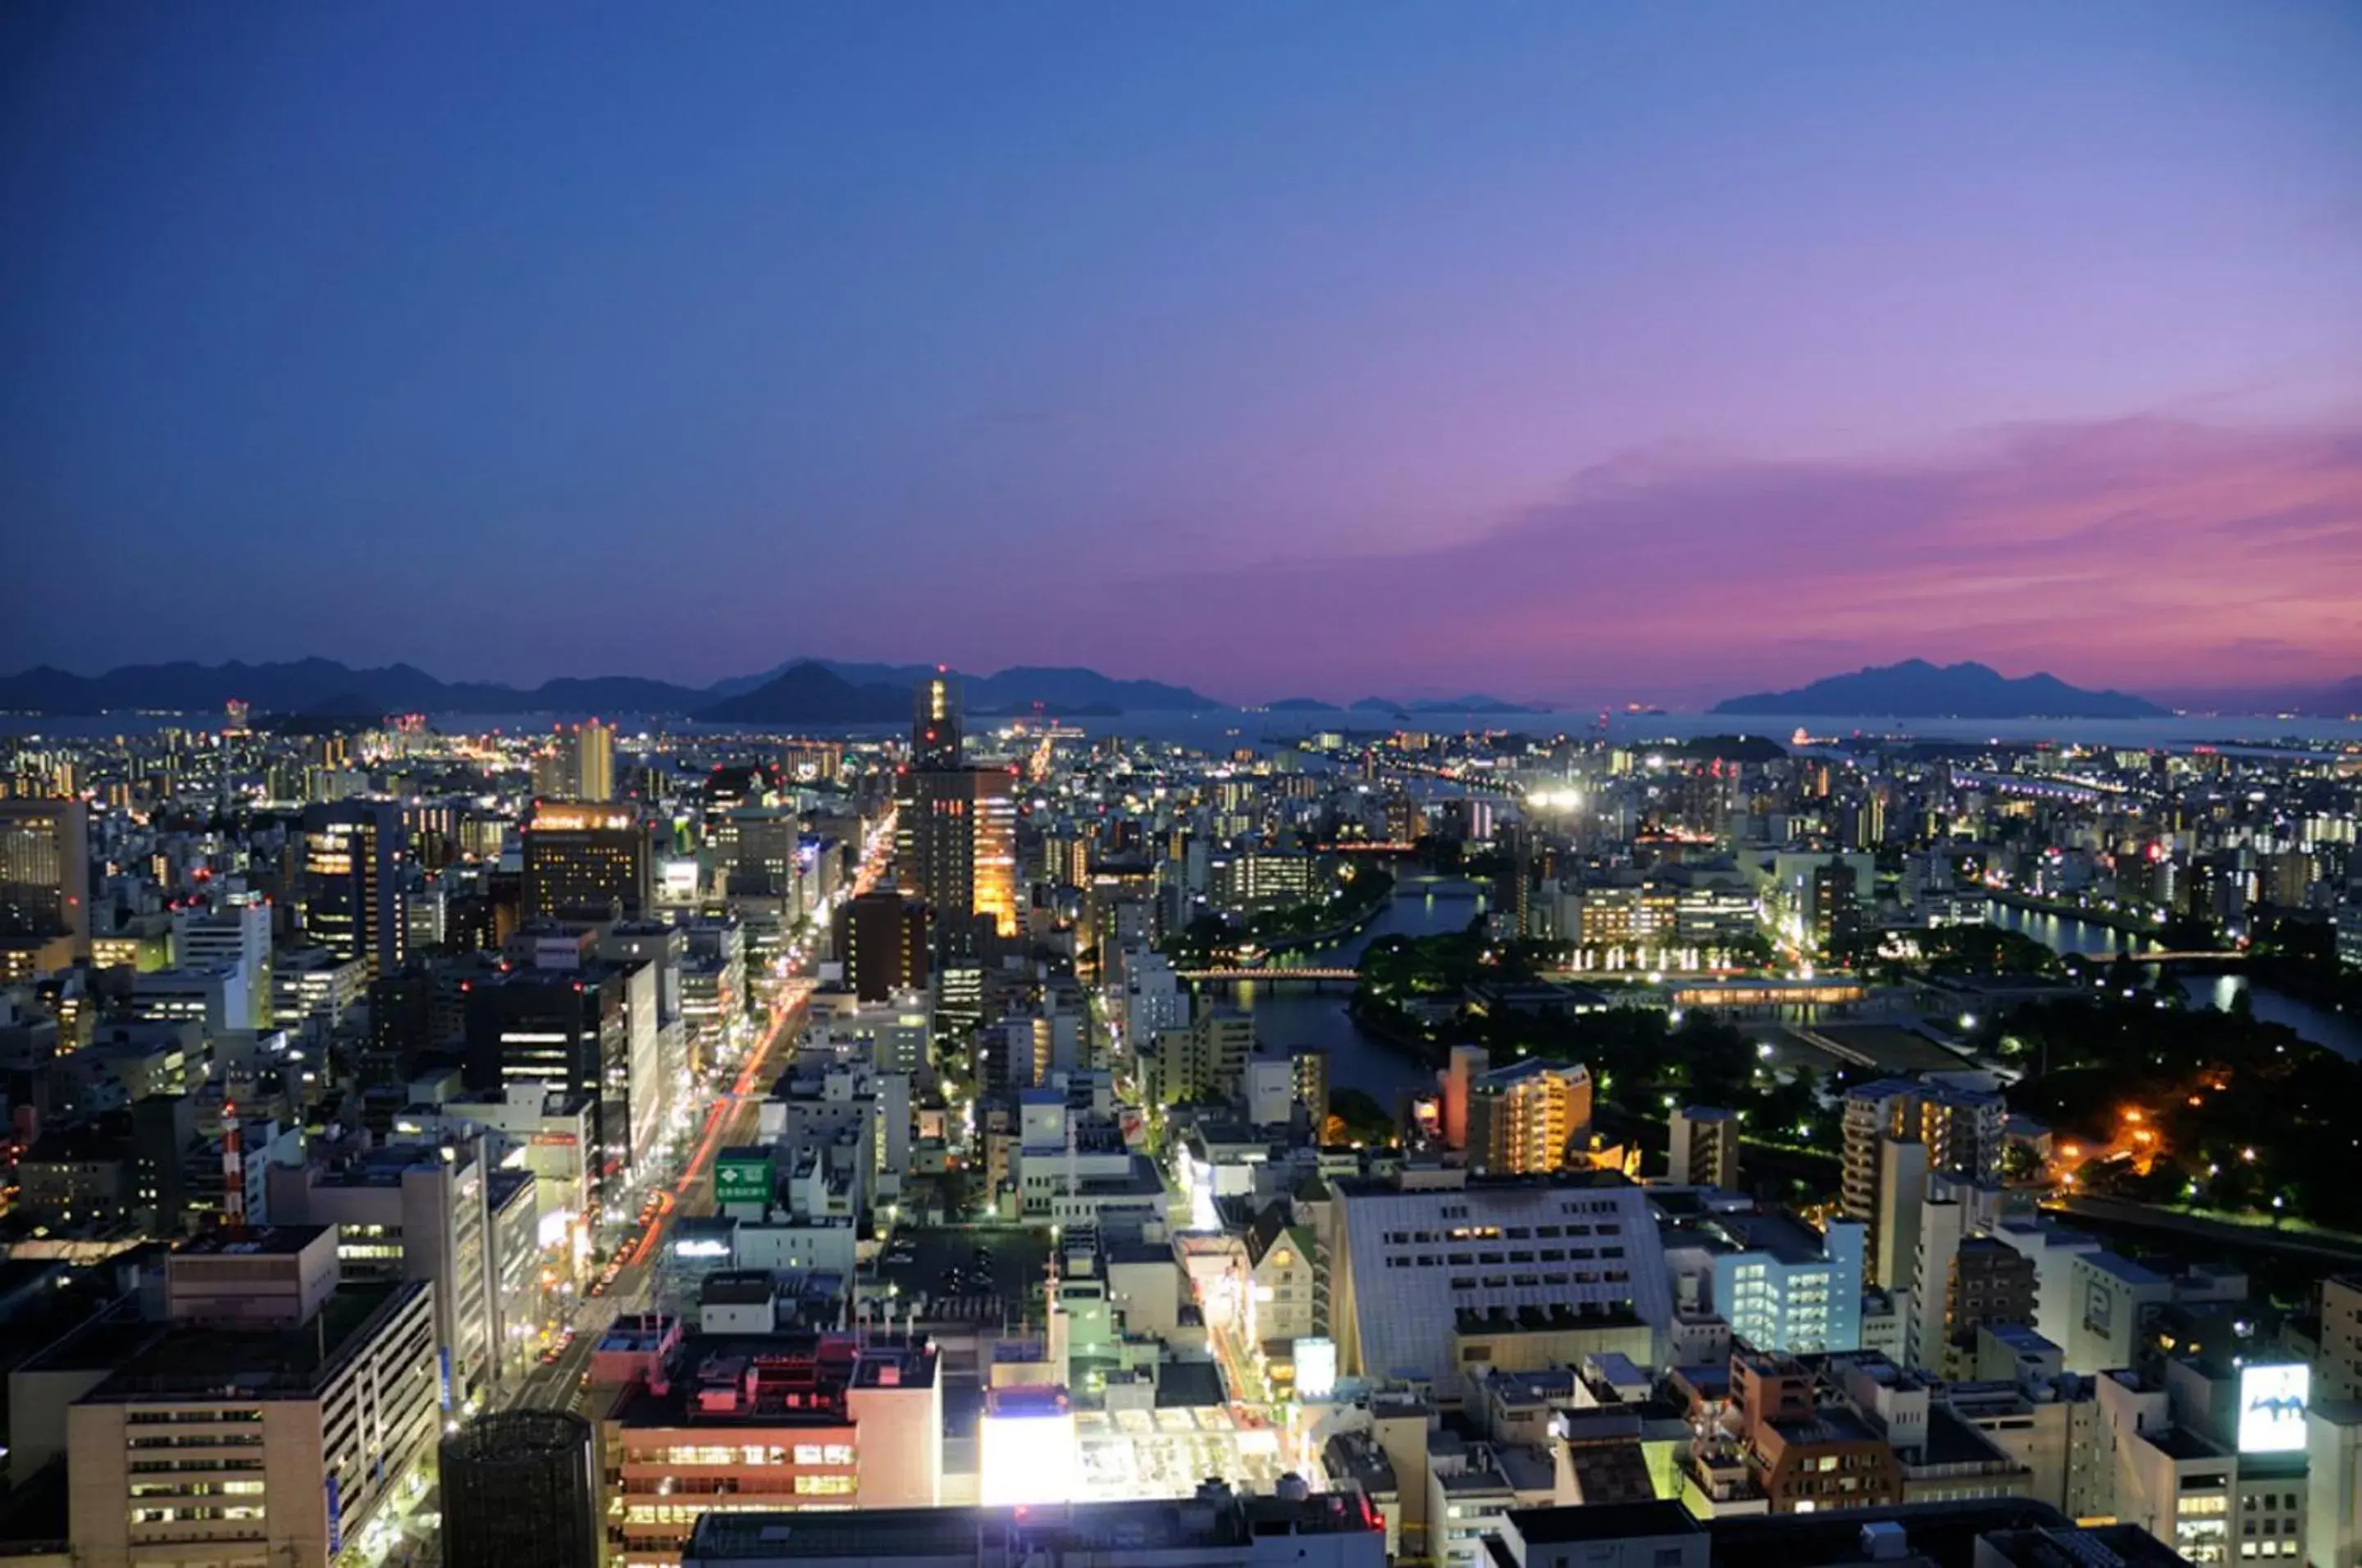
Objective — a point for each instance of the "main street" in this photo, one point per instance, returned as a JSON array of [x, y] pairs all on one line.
[[734, 1118]]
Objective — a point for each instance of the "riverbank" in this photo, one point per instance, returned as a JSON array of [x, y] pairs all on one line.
[[2111, 920]]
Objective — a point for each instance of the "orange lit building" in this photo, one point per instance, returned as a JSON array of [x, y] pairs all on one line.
[[760, 1423]]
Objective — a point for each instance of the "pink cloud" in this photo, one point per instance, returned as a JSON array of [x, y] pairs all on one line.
[[2133, 552]]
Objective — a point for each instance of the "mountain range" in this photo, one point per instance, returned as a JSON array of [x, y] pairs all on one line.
[[1917, 688], [799, 691]]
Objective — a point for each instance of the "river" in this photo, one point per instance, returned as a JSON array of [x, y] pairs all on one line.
[[2322, 1026], [1294, 1016]]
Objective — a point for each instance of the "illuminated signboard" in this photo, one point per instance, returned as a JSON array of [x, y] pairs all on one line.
[[1316, 1368], [1028, 1455], [700, 1247], [741, 1179], [2271, 1408]]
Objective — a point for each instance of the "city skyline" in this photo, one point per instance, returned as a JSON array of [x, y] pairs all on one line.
[[1558, 354]]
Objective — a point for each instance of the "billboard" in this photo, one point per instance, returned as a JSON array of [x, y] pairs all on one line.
[[742, 1178], [1316, 1368], [1027, 1455], [2271, 1408]]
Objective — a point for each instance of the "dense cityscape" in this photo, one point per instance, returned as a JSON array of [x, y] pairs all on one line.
[[1470, 1126], [1094, 785]]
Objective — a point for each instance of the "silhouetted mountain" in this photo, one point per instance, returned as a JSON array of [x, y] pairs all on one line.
[[1058, 690], [1380, 705], [810, 694], [1303, 705], [1915, 688], [311, 685]]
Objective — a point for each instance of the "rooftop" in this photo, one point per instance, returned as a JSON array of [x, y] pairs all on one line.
[[1603, 1521], [190, 1362]]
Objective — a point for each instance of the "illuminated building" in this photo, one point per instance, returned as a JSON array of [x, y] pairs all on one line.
[[1780, 1284], [45, 879], [565, 1033], [1523, 1118], [1897, 1134], [764, 1424], [587, 755], [1440, 1281], [272, 1420], [1246, 880], [1836, 909], [959, 842], [349, 892], [236, 934], [587, 862], [935, 725]]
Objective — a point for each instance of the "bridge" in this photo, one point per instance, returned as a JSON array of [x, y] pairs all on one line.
[[1234, 976]]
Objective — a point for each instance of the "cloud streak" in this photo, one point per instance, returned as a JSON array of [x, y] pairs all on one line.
[[2137, 551]]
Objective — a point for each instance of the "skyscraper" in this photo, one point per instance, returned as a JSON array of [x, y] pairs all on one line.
[[881, 939], [591, 750], [957, 828], [45, 874], [347, 889], [936, 737], [586, 862]]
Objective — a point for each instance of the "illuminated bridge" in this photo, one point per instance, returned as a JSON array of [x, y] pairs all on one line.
[[1268, 977]]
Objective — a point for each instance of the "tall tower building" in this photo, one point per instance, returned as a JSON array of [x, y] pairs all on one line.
[[45, 874], [957, 828], [936, 737], [591, 750], [349, 892]]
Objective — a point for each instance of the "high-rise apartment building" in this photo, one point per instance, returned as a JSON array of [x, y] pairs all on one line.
[[236, 933], [1528, 1118], [1704, 1147], [591, 747], [45, 877], [349, 889], [1898, 1132], [586, 862]]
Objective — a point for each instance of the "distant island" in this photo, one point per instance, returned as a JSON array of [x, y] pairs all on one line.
[[1303, 705], [1917, 688]]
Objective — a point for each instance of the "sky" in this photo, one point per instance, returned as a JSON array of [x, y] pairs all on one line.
[[1583, 352]]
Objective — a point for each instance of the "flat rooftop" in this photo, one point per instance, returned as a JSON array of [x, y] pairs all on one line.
[[189, 1361]]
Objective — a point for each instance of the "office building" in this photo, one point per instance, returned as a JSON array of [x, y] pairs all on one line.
[[348, 886], [957, 841], [727, 1425], [412, 1212], [1780, 1283], [881, 939], [1703, 1151], [45, 880], [236, 933], [1836, 908], [1436, 1282], [565, 1033], [1528, 1118], [520, 1490], [587, 862], [273, 1419]]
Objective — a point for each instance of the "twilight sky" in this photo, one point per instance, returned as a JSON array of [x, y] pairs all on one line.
[[1563, 350]]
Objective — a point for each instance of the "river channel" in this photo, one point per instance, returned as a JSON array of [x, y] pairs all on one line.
[[2323, 1026], [1294, 1017]]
